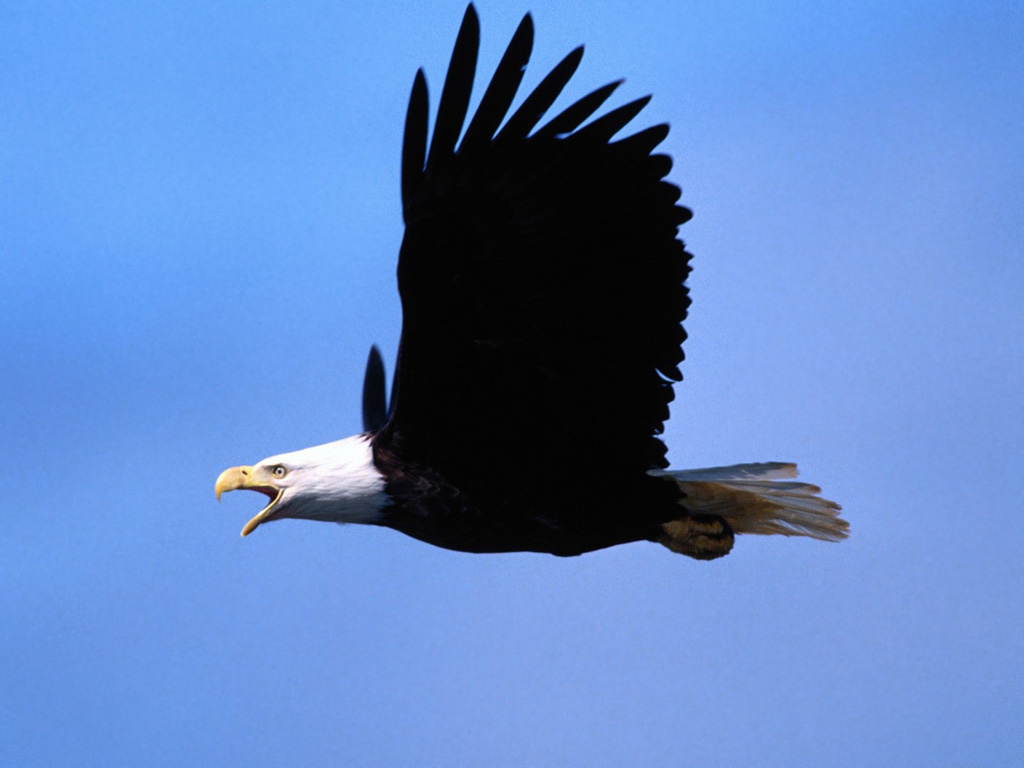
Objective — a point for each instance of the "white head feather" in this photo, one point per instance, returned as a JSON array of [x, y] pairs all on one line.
[[335, 482]]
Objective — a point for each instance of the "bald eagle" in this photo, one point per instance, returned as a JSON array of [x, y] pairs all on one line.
[[543, 294]]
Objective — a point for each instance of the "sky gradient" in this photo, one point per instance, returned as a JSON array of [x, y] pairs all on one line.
[[199, 220]]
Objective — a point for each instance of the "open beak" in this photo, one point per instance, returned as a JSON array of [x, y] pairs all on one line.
[[242, 478]]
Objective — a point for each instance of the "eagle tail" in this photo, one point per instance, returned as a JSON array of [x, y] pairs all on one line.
[[748, 498]]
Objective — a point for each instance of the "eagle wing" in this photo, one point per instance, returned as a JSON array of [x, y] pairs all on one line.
[[542, 282]]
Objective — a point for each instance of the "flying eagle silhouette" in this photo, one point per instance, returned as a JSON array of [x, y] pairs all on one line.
[[543, 294]]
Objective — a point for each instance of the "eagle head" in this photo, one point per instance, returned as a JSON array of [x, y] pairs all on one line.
[[335, 482]]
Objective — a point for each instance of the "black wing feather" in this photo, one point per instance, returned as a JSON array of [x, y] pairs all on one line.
[[574, 115], [414, 145], [606, 126], [644, 142], [457, 88], [525, 118], [498, 97], [375, 410]]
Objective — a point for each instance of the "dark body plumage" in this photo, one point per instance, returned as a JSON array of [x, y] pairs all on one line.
[[542, 287]]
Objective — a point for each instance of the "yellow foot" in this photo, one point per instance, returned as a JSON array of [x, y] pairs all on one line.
[[702, 536]]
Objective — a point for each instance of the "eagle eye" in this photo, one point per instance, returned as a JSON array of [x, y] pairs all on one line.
[[279, 471]]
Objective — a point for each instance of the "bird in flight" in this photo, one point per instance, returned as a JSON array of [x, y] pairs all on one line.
[[543, 293]]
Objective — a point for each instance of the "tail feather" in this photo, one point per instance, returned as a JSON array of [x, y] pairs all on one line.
[[751, 500], [765, 470]]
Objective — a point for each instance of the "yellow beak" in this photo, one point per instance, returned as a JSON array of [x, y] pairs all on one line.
[[243, 478]]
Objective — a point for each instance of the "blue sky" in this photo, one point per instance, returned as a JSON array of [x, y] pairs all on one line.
[[199, 220]]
